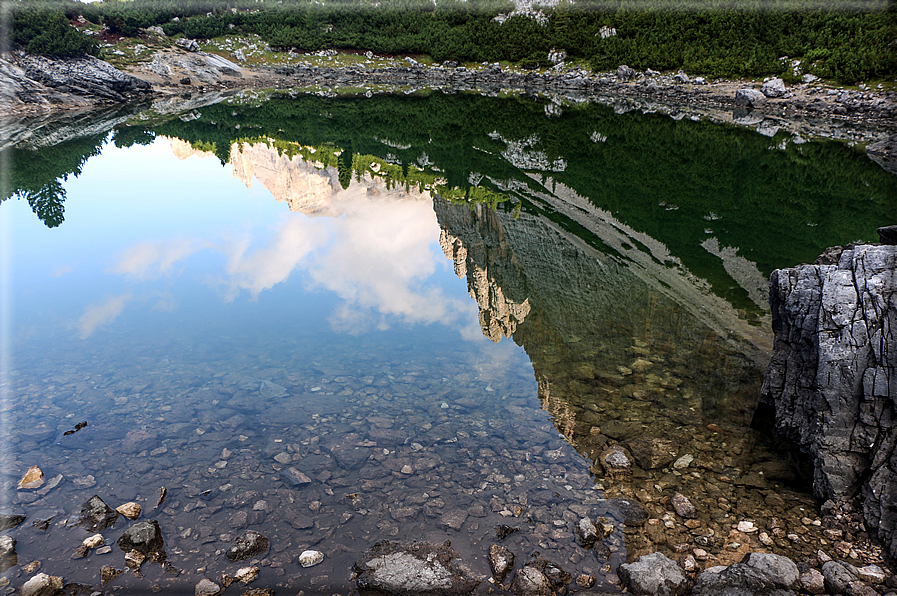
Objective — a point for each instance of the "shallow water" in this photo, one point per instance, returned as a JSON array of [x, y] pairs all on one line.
[[445, 322]]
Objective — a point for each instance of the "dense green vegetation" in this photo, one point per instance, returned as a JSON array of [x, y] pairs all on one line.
[[846, 41], [47, 32]]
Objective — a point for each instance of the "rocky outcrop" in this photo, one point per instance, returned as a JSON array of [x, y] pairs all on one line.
[[47, 82], [832, 380], [884, 153], [413, 569]]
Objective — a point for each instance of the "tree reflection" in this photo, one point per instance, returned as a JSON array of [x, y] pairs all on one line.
[[47, 202]]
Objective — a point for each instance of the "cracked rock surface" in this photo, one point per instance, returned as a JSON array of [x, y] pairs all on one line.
[[831, 377]]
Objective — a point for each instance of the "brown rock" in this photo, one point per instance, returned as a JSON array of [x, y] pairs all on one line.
[[130, 510], [33, 478]]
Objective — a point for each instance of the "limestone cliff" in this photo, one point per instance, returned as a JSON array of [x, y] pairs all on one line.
[[832, 375]]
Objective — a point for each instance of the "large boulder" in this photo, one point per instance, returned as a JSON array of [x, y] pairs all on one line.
[[773, 88], [653, 575], [413, 569], [758, 574], [832, 375]]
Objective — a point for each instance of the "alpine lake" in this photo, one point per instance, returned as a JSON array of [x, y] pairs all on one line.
[[336, 320]]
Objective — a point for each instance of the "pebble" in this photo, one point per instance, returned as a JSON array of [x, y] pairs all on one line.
[[94, 541], [130, 510], [309, 558], [746, 527], [246, 575]]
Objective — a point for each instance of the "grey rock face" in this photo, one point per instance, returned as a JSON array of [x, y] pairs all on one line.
[[749, 98], [758, 573], [837, 577], [413, 569], [653, 574], [249, 544], [145, 537], [83, 76], [832, 380]]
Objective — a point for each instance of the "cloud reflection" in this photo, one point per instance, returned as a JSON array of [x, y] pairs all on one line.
[[151, 260]]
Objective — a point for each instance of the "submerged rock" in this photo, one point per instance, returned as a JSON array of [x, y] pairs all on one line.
[[529, 581], [145, 537], [249, 544], [8, 556], [10, 520], [413, 569], [96, 515]]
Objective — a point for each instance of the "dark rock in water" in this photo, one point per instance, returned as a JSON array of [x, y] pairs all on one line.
[[502, 531], [10, 520], [96, 515], [653, 575], [294, 477], [587, 532], [145, 537], [501, 560], [413, 569], [888, 234], [832, 376], [529, 581], [633, 513], [42, 519], [556, 576], [652, 453], [249, 544]]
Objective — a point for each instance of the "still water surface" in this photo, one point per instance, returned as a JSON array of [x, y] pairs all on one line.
[[336, 321]]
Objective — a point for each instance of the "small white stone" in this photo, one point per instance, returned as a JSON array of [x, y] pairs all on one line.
[[746, 527], [683, 462], [94, 541], [765, 540], [406, 469], [310, 557], [246, 575]]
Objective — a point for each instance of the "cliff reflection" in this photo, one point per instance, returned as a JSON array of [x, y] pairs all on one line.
[[622, 365]]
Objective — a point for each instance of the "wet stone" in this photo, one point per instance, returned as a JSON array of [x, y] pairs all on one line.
[[411, 569], [108, 573], [501, 561], [652, 453], [587, 532], [247, 575], [8, 556], [683, 506], [145, 537], [529, 581], [502, 531], [653, 575], [206, 587], [632, 512], [96, 515], [130, 510], [294, 477], [42, 585], [454, 519], [249, 544], [134, 559]]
